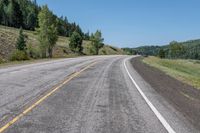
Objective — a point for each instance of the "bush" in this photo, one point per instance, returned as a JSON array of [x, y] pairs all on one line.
[[102, 51], [76, 42], [33, 52], [161, 54], [89, 49], [1, 60], [18, 55]]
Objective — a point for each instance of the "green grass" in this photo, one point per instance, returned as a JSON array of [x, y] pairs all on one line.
[[187, 71]]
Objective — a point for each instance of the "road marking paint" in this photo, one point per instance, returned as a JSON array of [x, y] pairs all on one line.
[[158, 115], [7, 125]]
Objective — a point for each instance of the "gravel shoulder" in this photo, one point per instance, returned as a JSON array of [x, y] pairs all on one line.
[[183, 97]]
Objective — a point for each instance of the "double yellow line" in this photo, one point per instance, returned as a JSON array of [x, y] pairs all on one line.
[[7, 125]]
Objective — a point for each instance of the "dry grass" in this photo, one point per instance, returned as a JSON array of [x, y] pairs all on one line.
[[109, 50], [8, 38]]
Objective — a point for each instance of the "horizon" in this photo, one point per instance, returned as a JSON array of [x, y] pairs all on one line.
[[133, 23]]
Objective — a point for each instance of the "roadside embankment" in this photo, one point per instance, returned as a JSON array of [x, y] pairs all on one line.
[[185, 98]]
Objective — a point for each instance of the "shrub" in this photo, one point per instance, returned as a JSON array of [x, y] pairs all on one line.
[[161, 54], [1, 60], [76, 42], [89, 49], [18, 55], [33, 52], [102, 51]]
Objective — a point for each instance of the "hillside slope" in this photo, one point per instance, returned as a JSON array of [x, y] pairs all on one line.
[[8, 37]]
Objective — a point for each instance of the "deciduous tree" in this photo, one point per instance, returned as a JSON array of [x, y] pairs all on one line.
[[47, 31], [97, 41]]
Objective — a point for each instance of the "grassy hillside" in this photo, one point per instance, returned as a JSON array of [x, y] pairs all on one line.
[[187, 71], [8, 37], [110, 50]]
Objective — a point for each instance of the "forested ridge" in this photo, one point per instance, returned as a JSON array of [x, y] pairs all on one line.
[[43, 34], [174, 50], [24, 13]]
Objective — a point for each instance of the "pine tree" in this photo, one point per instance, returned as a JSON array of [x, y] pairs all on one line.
[[21, 43], [87, 36], [14, 14], [76, 42], [161, 53]]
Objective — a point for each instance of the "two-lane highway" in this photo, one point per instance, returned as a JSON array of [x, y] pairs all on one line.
[[20, 85], [95, 95]]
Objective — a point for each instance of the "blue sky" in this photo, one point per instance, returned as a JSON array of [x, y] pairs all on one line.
[[131, 23]]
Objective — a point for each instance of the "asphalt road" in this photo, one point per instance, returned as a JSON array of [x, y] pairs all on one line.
[[102, 98]]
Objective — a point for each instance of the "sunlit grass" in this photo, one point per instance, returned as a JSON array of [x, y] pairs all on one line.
[[9, 36], [187, 71]]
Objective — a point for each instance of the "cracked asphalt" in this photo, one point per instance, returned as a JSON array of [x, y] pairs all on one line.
[[102, 99]]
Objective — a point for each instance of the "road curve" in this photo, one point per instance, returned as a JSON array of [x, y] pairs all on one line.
[[102, 99]]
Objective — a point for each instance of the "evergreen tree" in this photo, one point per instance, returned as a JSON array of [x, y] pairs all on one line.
[[29, 11], [87, 36], [1, 12], [31, 20], [4, 12], [161, 53], [78, 29], [24, 13], [21, 43], [76, 42], [61, 26], [14, 14]]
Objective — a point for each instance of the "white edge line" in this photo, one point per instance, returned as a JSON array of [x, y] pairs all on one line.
[[158, 115]]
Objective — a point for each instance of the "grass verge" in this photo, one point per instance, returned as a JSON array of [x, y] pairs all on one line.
[[187, 71], [16, 63]]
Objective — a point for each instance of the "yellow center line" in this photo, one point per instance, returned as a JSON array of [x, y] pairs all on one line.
[[7, 125]]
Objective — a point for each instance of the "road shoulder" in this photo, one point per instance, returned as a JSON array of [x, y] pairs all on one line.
[[174, 116]]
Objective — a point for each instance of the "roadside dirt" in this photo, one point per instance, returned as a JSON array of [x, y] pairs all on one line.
[[185, 98]]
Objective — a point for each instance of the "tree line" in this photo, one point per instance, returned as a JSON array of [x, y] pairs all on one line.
[[178, 50], [24, 13], [48, 28], [174, 50], [48, 35]]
